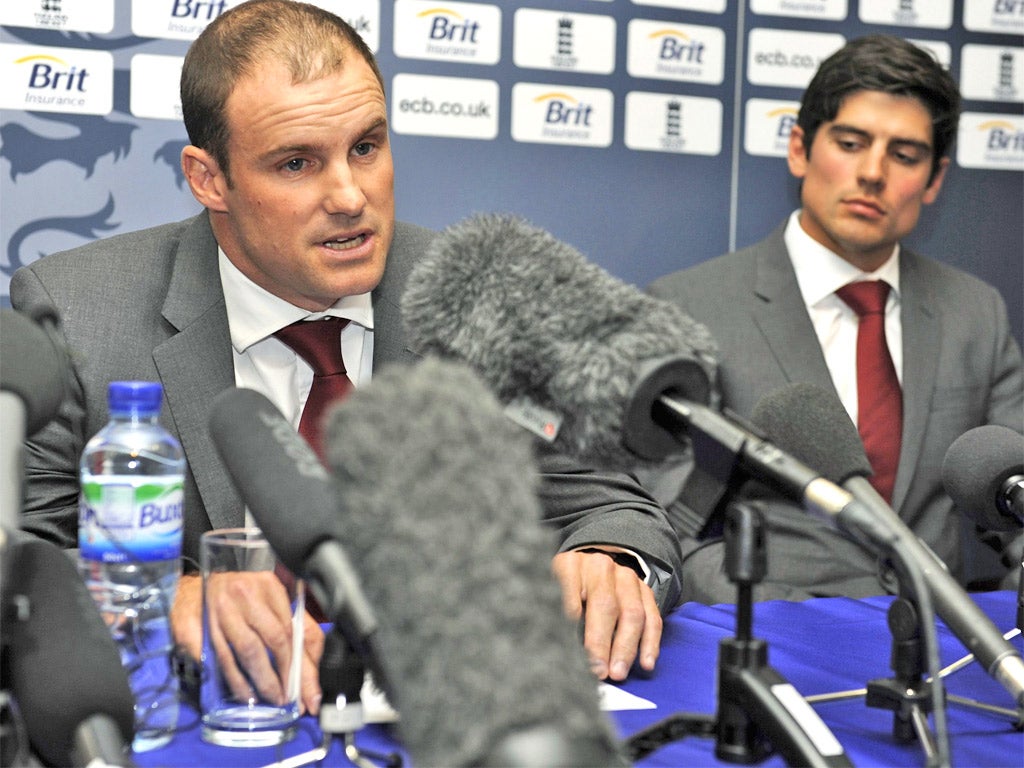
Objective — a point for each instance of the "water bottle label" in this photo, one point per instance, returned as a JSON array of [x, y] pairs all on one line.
[[125, 518]]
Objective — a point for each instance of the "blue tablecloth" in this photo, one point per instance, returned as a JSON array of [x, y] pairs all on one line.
[[819, 646]]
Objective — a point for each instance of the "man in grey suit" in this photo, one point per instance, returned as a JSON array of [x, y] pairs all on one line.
[[290, 157], [870, 147]]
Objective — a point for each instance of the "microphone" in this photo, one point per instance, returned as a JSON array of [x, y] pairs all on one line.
[[809, 420], [289, 492], [556, 337], [627, 375], [438, 503], [32, 387], [36, 366], [62, 665], [983, 472]]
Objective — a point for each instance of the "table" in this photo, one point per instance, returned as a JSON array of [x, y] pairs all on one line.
[[820, 646]]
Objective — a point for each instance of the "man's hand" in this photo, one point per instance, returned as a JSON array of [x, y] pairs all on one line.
[[619, 612], [254, 616]]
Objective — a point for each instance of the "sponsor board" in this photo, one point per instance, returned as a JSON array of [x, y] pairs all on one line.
[[667, 122], [562, 114], [991, 141], [452, 107], [41, 79]]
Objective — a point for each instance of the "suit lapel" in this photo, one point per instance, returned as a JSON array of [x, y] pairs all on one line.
[[921, 346], [778, 311], [390, 341], [195, 365]]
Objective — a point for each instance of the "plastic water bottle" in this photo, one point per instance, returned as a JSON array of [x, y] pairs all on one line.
[[129, 539]]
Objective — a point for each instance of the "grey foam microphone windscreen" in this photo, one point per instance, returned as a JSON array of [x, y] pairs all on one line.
[[976, 469], [810, 422], [437, 492], [537, 320]]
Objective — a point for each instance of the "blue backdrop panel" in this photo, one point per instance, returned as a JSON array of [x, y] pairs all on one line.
[[67, 178]]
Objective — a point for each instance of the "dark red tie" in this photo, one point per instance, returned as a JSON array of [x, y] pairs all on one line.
[[318, 342], [879, 398]]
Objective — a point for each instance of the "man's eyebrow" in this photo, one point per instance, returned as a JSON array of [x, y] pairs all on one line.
[[289, 149], [837, 128], [376, 125], [313, 147]]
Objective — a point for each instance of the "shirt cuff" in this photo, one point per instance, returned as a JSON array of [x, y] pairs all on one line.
[[624, 557]]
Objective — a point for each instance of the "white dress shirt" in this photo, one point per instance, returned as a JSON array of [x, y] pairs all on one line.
[[820, 272], [268, 365]]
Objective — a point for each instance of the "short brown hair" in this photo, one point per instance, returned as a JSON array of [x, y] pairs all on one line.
[[310, 41]]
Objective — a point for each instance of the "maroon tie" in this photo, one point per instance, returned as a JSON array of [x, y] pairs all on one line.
[[318, 342], [879, 399]]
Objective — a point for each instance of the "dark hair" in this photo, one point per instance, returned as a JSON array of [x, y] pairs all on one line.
[[310, 41], [891, 65]]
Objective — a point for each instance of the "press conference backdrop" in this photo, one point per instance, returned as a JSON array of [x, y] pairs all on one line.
[[650, 134]]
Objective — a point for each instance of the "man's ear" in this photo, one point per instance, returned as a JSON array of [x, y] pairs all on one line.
[[204, 176], [931, 192], [796, 155]]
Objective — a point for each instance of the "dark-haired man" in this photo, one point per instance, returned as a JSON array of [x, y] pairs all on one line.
[[870, 148]]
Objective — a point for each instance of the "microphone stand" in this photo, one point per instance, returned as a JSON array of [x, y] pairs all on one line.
[[342, 671], [758, 711]]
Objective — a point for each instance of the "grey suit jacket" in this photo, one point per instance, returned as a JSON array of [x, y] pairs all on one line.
[[148, 305], [961, 369]]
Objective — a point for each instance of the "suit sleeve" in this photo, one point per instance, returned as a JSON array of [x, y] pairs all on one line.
[[50, 509], [589, 507]]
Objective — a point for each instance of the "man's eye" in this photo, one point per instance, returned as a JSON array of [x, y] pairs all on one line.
[[907, 158], [363, 148], [295, 164]]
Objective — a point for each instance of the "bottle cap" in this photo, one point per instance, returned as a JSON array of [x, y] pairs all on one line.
[[134, 397]]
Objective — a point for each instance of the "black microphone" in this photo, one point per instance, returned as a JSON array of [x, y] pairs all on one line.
[[983, 472], [629, 376], [439, 510], [32, 388], [289, 492], [62, 665], [35, 365], [808, 421]]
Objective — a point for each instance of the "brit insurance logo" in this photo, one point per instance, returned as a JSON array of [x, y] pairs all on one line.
[[185, 19], [666, 51], [788, 59], [767, 124], [994, 16], [40, 79], [991, 141], [68, 15], [834, 10], [934, 14], [665, 122], [453, 107], [464, 32], [176, 19], [992, 73], [562, 114], [574, 42]]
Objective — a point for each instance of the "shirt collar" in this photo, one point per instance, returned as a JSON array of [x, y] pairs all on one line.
[[820, 271], [254, 313]]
